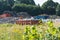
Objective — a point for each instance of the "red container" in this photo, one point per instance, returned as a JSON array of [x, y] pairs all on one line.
[[27, 22]]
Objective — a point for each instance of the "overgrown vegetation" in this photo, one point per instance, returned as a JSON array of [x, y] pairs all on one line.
[[49, 7], [43, 31]]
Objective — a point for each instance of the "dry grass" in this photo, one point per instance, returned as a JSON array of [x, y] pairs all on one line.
[[10, 32], [57, 24]]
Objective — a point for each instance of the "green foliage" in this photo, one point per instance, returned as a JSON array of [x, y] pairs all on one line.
[[1, 7], [49, 34], [4, 7], [31, 2], [58, 10], [31, 9], [49, 7], [10, 2], [29, 32]]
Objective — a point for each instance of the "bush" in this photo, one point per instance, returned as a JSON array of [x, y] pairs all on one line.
[[31, 9]]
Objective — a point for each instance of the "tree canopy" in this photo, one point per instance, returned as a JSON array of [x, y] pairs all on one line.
[[31, 9], [58, 10], [31, 2], [49, 7]]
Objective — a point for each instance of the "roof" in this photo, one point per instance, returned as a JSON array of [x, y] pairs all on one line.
[[41, 17]]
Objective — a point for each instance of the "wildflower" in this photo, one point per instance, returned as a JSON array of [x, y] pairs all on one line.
[[40, 22], [27, 30], [50, 23], [23, 37], [16, 30], [52, 31], [41, 35], [59, 35], [33, 30], [31, 36]]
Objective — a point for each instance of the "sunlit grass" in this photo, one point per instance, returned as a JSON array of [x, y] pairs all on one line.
[[44, 31]]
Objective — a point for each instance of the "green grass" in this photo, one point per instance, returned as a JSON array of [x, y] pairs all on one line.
[[16, 32]]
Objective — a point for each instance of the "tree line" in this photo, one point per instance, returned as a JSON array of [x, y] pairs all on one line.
[[49, 7]]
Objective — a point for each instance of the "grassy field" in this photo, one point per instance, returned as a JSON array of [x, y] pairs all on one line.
[[26, 32]]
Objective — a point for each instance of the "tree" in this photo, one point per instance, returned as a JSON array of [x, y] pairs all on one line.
[[8, 2], [30, 9], [11, 2], [49, 7], [26, 2], [1, 7], [4, 7], [49, 0], [7, 8], [58, 10]]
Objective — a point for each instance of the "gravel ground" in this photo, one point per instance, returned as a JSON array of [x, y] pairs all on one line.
[[8, 20], [13, 20]]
